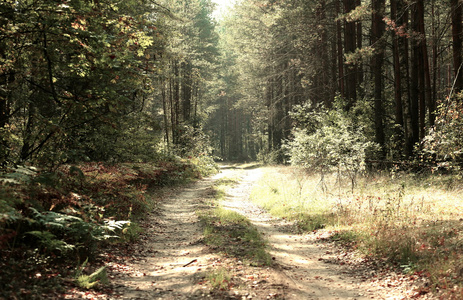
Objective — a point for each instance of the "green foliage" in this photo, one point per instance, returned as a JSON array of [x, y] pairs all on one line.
[[49, 243], [65, 233], [90, 281], [99, 277], [271, 157], [19, 175], [81, 70], [192, 142], [443, 145], [328, 140], [219, 279], [205, 165], [75, 208]]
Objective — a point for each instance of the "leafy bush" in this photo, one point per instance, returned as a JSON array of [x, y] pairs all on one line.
[[444, 143], [48, 218], [327, 140], [192, 142], [205, 165]]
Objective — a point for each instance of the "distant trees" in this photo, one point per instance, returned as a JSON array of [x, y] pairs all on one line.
[[391, 64], [191, 58]]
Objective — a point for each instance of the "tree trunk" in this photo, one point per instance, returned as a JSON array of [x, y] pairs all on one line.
[[429, 102], [165, 113], [456, 9], [377, 31], [399, 14], [350, 46], [340, 54], [360, 65], [399, 118], [176, 105], [415, 76], [423, 67], [186, 90]]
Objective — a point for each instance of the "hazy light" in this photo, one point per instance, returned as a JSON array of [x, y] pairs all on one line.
[[222, 7]]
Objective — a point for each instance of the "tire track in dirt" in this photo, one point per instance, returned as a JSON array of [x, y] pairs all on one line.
[[306, 264], [172, 257], [171, 260]]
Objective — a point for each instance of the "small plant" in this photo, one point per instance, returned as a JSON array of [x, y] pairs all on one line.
[[50, 243], [90, 281], [443, 145], [219, 279]]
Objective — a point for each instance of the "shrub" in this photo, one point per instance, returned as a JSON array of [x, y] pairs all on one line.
[[62, 232], [444, 143], [327, 140]]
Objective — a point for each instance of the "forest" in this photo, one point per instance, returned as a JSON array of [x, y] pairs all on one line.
[[102, 102], [125, 82]]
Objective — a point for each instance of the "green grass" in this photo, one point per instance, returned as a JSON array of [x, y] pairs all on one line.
[[222, 185], [413, 222], [219, 279], [290, 194], [230, 232], [99, 277]]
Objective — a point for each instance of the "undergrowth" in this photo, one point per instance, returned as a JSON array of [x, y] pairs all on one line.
[[412, 222], [51, 219]]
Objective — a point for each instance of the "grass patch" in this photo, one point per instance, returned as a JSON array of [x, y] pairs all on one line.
[[413, 222], [230, 232], [219, 279], [234, 235], [222, 185], [288, 193]]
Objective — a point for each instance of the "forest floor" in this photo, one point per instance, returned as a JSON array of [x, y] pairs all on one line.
[[171, 261]]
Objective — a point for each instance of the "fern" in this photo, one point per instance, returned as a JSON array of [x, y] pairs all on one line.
[[20, 174], [8, 214], [50, 243], [53, 219], [90, 281], [75, 232]]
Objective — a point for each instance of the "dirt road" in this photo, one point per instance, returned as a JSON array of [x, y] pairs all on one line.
[[172, 262]]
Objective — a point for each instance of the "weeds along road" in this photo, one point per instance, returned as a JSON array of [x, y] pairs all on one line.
[[173, 262]]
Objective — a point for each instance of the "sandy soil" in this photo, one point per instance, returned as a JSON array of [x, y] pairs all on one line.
[[171, 262]]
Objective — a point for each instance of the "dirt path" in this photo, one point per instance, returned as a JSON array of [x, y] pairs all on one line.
[[171, 262], [312, 269]]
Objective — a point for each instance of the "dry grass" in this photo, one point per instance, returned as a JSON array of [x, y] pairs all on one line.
[[413, 222]]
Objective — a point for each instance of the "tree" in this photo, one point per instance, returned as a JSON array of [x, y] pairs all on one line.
[[377, 41], [456, 12], [398, 26], [297, 52], [191, 60], [78, 69]]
